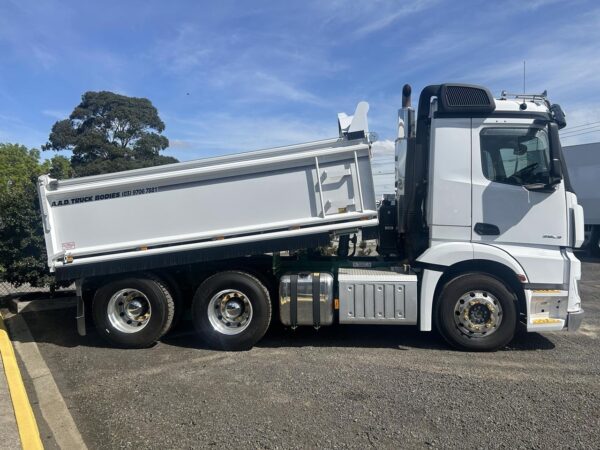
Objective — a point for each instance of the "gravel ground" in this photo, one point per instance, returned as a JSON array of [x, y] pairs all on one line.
[[338, 387]]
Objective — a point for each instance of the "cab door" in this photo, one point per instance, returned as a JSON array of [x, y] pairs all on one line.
[[510, 163]]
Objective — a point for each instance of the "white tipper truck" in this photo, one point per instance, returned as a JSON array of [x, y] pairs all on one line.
[[478, 236]]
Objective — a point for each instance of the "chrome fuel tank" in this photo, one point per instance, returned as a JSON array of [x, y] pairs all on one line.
[[306, 299]]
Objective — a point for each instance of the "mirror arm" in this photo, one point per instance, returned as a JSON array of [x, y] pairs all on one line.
[[555, 148]]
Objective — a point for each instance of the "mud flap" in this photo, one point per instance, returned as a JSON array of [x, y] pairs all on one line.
[[80, 316]]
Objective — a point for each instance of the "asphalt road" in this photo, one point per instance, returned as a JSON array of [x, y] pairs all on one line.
[[338, 387]]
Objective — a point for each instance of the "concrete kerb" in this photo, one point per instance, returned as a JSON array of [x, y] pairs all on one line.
[[51, 403], [29, 436]]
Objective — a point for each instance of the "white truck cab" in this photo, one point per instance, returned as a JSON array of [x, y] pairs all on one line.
[[478, 236], [498, 199]]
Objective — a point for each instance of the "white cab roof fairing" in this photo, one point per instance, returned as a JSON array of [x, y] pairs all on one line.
[[510, 105]]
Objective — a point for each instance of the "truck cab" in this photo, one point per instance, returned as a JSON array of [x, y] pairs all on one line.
[[489, 194]]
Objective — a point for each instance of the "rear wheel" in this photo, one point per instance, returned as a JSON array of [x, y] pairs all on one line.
[[477, 312], [133, 312], [231, 311]]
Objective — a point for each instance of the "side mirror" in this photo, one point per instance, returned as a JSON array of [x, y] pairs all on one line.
[[559, 116], [556, 173]]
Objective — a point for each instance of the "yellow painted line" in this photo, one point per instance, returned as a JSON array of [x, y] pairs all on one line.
[[28, 429]]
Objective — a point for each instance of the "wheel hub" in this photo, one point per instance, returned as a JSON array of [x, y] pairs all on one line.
[[134, 308], [233, 309], [129, 310], [477, 314], [230, 311]]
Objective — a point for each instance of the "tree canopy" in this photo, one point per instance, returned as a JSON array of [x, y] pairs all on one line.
[[19, 167], [109, 132], [106, 132], [22, 249]]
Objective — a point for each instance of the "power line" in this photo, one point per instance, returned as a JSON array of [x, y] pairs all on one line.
[[583, 125], [581, 128], [579, 134], [579, 131]]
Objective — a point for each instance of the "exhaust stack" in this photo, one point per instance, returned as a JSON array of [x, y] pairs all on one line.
[[405, 138]]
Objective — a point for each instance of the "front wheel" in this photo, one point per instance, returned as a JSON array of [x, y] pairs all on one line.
[[476, 312], [231, 311]]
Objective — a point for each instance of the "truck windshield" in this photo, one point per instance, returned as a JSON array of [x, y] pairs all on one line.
[[519, 156]]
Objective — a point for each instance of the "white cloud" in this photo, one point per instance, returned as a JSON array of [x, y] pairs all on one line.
[[383, 149], [180, 144], [531, 5], [187, 50], [271, 86], [55, 114], [360, 19], [383, 166], [260, 72], [43, 56], [386, 18], [225, 133]]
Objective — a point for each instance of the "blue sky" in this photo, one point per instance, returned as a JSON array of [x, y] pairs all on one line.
[[231, 76]]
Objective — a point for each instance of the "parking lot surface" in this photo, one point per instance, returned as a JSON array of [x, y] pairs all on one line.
[[344, 386]]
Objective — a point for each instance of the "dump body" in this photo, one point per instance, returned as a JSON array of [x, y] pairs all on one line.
[[257, 196]]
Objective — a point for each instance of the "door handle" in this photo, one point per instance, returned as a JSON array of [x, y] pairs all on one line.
[[486, 229]]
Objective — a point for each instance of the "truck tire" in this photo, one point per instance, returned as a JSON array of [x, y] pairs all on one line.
[[231, 311], [133, 312], [476, 312], [178, 299]]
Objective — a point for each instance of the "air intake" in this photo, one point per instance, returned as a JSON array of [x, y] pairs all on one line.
[[465, 98]]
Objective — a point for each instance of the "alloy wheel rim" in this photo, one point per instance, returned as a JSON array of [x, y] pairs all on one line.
[[129, 310], [477, 314], [230, 311]]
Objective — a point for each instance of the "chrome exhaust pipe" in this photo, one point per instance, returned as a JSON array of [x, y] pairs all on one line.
[[406, 136]]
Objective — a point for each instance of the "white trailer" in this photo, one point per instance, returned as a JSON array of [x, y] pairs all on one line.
[[583, 165], [478, 236]]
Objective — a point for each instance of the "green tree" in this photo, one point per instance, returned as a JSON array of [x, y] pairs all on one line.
[[22, 247], [108, 132], [19, 167], [59, 167]]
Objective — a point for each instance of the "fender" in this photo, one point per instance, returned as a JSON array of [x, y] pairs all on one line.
[[438, 259]]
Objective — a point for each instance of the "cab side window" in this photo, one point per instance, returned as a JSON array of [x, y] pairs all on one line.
[[517, 156]]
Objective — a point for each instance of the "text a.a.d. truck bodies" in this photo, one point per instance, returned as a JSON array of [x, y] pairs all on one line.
[[478, 236]]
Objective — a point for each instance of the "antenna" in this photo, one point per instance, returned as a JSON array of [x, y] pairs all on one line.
[[523, 106]]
